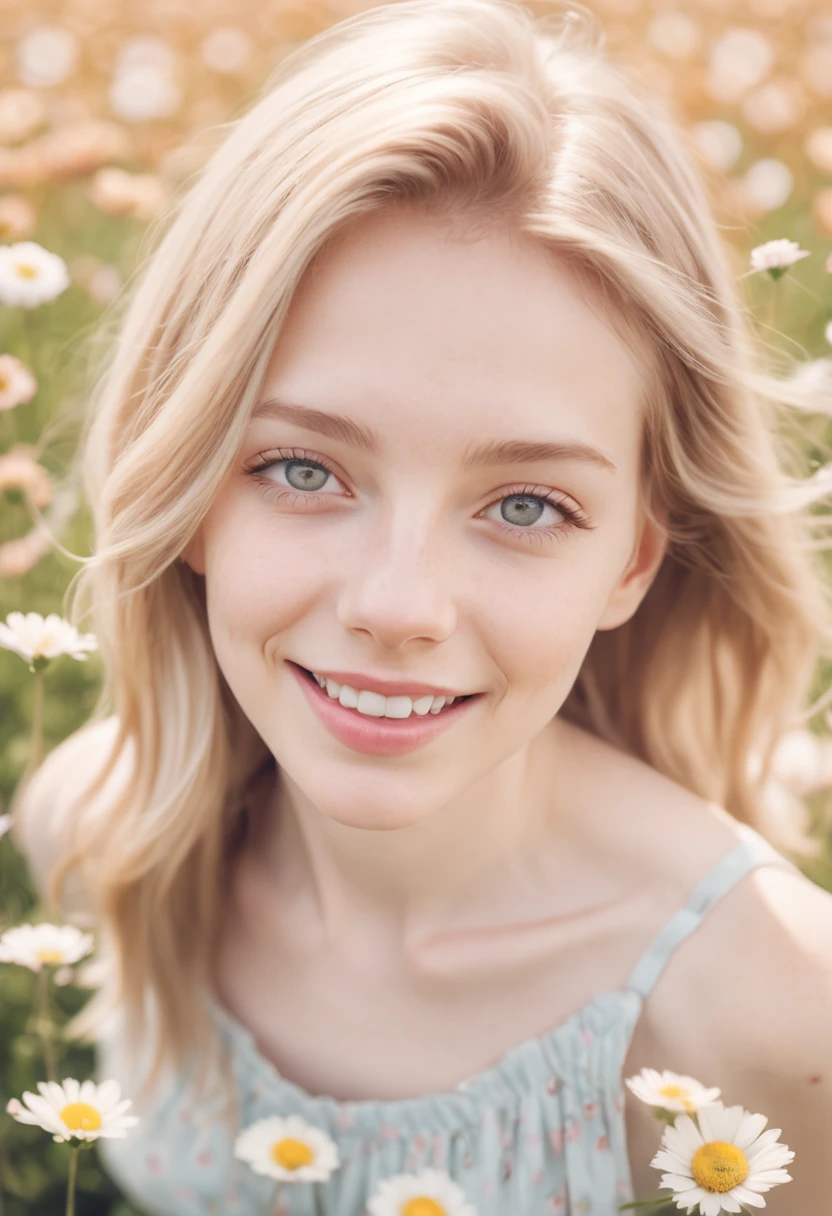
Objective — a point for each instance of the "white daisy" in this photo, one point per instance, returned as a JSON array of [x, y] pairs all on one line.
[[72, 1109], [30, 275], [33, 637], [777, 256], [5, 825], [35, 946], [289, 1149], [722, 1163], [431, 1193], [670, 1090]]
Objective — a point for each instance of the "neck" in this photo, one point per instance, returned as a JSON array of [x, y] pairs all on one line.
[[473, 859]]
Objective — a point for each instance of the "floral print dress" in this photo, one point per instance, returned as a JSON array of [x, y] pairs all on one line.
[[540, 1131]]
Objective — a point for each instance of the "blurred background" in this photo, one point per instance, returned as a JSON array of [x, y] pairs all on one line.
[[105, 110]]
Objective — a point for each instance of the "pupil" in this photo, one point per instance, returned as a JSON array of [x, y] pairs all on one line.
[[523, 507], [306, 472]]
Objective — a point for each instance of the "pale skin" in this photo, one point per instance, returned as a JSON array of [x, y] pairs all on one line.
[[413, 917]]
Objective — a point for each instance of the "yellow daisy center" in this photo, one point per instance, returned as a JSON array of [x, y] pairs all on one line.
[[677, 1091], [26, 271], [718, 1166], [4, 382], [50, 956], [420, 1205], [292, 1154], [80, 1116]]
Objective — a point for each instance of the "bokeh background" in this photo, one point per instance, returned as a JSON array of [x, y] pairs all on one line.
[[106, 110]]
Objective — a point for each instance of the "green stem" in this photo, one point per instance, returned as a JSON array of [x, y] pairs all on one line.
[[775, 295], [45, 1024], [320, 1205], [277, 1194], [658, 1204], [36, 737], [70, 1190], [31, 341], [9, 427]]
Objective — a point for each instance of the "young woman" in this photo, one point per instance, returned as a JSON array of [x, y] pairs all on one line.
[[452, 594]]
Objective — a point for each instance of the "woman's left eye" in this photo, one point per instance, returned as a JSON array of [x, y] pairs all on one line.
[[522, 508]]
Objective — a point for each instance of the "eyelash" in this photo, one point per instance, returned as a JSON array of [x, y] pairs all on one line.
[[574, 518]]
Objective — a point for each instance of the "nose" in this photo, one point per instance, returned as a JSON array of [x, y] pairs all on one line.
[[399, 588]]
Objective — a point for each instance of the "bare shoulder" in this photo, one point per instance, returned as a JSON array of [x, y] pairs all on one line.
[[41, 823], [744, 1003], [765, 944]]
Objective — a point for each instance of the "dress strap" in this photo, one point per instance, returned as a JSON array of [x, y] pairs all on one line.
[[751, 851]]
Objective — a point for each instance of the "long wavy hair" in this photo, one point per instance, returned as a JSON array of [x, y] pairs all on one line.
[[477, 112]]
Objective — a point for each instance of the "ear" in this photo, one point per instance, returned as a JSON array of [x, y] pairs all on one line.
[[648, 553], [194, 553]]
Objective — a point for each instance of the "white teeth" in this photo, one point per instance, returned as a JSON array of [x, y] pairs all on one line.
[[371, 703], [374, 705]]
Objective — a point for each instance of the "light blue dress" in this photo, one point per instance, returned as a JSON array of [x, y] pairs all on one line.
[[540, 1131]]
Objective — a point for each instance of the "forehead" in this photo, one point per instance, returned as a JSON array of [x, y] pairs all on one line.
[[415, 326]]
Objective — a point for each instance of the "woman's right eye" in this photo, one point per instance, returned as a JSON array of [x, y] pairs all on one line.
[[303, 474]]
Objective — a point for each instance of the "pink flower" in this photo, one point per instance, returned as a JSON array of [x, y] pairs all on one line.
[[17, 384]]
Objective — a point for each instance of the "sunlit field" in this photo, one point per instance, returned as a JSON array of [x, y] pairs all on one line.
[[105, 113]]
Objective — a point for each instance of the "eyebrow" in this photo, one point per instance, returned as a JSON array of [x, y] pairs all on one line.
[[494, 452]]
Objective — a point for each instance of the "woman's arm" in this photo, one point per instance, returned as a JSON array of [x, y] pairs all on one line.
[[40, 828]]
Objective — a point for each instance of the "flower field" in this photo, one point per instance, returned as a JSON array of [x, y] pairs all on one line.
[[104, 117]]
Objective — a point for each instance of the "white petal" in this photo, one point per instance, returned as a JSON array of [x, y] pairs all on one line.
[[743, 1194], [681, 1183], [707, 1117], [750, 1128], [689, 1199], [107, 1095], [24, 1116], [47, 1116], [761, 1144], [54, 1094], [665, 1159], [766, 1179], [773, 1151], [772, 1159], [684, 1137]]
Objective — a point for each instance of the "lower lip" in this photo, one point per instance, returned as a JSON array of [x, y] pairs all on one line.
[[377, 736]]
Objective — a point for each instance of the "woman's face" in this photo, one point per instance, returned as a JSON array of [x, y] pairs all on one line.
[[393, 536]]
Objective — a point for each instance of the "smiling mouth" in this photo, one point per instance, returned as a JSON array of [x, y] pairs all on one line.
[[311, 678]]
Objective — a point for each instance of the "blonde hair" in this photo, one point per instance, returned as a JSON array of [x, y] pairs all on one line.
[[476, 112]]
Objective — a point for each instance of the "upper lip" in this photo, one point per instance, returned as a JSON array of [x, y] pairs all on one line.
[[387, 688]]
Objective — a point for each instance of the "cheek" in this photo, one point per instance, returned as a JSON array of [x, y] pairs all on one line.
[[259, 580], [542, 624]]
